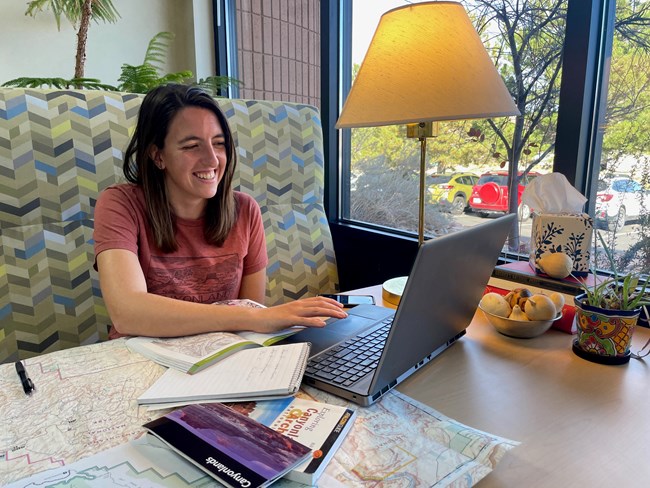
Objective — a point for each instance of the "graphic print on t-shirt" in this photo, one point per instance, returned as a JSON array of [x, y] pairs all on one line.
[[195, 279]]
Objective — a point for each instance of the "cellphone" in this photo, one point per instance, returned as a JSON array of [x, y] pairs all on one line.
[[350, 301]]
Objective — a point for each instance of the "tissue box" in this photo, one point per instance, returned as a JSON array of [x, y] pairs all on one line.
[[564, 232]]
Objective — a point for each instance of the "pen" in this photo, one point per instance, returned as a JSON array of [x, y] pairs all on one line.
[[28, 386]]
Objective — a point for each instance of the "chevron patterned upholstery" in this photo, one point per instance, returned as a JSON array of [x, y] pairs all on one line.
[[60, 148]]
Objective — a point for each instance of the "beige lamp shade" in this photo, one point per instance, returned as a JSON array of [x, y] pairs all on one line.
[[426, 62]]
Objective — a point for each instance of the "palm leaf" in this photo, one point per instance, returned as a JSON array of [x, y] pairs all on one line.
[[214, 84], [137, 79], [91, 84], [103, 10], [179, 77], [156, 53], [60, 83]]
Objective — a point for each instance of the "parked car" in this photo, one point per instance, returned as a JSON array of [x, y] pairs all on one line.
[[620, 199], [451, 191], [490, 194]]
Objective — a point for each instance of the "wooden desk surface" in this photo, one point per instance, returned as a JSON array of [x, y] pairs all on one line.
[[580, 424]]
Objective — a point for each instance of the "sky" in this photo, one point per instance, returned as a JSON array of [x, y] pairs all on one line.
[[365, 17]]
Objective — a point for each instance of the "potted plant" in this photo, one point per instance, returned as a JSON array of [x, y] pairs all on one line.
[[606, 314]]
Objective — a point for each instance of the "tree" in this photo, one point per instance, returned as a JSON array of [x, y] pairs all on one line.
[[79, 13], [526, 40], [628, 116]]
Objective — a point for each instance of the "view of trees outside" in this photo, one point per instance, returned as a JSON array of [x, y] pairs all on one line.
[[626, 142], [525, 41]]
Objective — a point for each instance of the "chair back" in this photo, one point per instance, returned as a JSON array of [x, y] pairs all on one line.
[[60, 148]]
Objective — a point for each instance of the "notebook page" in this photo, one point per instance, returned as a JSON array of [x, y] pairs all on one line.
[[275, 370]]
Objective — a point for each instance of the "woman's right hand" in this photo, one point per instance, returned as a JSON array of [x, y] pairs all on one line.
[[306, 312]]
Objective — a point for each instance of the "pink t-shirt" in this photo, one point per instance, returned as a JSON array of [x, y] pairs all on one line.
[[197, 271]]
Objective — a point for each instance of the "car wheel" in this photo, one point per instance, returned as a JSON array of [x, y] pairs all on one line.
[[524, 212], [458, 205], [618, 222]]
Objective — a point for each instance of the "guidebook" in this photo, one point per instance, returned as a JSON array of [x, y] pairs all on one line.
[[252, 374], [233, 448], [191, 354], [320, 426]]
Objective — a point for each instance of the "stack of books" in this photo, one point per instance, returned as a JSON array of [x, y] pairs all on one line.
[[222, 366], [258, 442]]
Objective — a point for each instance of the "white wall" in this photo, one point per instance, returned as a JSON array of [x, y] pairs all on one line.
[[34, 47], [203, 39]]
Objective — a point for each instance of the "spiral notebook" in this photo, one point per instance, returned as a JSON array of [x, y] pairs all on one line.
[[253, 374]]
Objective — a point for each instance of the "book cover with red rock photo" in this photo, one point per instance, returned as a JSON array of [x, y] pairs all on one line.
[[233, 448], [320, 426]]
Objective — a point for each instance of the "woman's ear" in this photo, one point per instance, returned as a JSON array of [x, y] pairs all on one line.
[[156, 156]]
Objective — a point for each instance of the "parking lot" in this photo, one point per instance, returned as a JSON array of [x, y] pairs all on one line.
[[625, 237]]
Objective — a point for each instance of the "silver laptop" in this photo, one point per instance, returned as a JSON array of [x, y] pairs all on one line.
[[363, 356]]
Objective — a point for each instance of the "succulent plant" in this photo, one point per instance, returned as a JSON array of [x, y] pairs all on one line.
[[620, 292]]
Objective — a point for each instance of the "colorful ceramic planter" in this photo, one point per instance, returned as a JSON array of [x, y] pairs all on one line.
[[603, 335]]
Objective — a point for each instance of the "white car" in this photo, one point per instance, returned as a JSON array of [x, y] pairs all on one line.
[[619, 200]]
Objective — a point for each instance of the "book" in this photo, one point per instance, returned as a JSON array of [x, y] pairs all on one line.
[[320, 426], [251, 374], [233, 448], [520, 271], [191, 354]]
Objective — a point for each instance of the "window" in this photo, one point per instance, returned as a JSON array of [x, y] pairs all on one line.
[[380, 166], [623, 199], [563, 125]]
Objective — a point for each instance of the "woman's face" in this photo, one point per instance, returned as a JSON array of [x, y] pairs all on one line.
[[193, 159]]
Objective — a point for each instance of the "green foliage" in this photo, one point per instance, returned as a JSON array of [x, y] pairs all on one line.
[[134, 79], [73, 9], [149, 74], [60, 83], [215, 84], [144, 77], [79, 13], [621, 292]]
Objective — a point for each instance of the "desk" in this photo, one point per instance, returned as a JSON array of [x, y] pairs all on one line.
[[535, 391], [580, 424]]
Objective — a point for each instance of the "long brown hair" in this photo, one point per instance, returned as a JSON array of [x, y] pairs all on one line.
[[157, 110]]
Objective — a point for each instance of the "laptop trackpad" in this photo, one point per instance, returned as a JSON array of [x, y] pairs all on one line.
[[334, 332]]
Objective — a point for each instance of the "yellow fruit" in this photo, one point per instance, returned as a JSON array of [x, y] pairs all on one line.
[[518, 314], [556, 264], [540, 307], [558, 300], [495, 304]]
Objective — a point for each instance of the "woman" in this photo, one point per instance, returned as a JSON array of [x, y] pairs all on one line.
[[176, 238]]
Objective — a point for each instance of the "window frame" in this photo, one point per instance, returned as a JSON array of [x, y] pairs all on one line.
[[224, 21]]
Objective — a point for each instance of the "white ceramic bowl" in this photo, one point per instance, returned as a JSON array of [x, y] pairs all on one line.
[[521, 329]]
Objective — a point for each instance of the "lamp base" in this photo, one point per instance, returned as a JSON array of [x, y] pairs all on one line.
[[391, 290]]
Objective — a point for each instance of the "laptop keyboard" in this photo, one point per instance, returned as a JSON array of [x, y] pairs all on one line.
[[351, 360]]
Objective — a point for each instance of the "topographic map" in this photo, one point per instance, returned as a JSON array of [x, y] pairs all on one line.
[[197, 346], [400, 442], [85, 404]]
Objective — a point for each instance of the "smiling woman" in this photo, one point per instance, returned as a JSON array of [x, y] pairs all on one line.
[[194, 160], [177, 238]]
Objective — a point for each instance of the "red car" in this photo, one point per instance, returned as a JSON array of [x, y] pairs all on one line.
[[490, 194]]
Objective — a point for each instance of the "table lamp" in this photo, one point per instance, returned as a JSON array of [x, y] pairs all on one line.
[[425, 63]]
